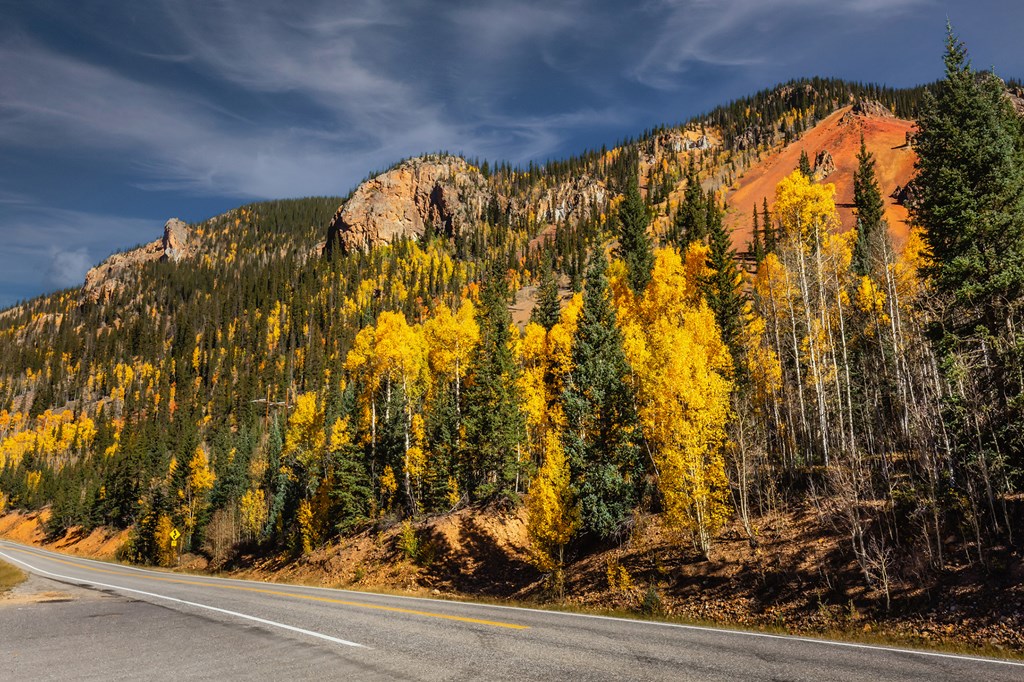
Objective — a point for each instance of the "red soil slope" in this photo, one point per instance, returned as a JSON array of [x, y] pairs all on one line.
[[839, 134]]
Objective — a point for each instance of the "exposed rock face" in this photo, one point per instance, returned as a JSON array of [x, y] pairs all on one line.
[[872, 107], [175, 240], [574, 197], [866, 107], [107, 277], [1016, 96], [824, 165], [445, 192]]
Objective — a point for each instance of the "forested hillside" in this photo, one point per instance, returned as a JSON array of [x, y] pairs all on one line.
[[273, 395]]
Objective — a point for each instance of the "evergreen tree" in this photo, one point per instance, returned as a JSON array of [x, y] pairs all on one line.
[[634, 244], [546, 311], [722, 287], [495, 425], [805, 164], [970, 201], [767, 228], [690, 222], [601, 427], [756, 244], [868, 200], [970, 189]]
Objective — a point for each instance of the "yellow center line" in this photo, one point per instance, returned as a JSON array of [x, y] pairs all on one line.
[[279, 593]]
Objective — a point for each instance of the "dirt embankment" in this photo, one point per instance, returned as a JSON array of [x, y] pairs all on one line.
[[28, 528], [799, 577]]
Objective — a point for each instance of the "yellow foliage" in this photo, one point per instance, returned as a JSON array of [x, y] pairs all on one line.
[[553, 514], [304, 519], [870, 299], [388, 488], [804, 209], [253, 510], [305, 437], [681, 369], [162, 539]]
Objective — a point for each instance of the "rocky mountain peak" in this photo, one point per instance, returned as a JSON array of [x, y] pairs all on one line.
[[108, 276], [444, 192]]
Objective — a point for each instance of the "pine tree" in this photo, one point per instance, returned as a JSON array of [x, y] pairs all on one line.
[[690, 221], [970, 201], [722, 287], [970, 189], [495, 425], [634, 243], [601, 428], [756, 244], [545, 312], [767, 228], [868, 200], [805, 164]]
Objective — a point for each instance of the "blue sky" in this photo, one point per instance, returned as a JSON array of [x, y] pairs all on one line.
[[115, 116]]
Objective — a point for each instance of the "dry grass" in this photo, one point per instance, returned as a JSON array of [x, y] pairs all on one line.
[[10, 577]]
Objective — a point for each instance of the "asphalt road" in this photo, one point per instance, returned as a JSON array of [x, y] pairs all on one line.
[[121, 622]]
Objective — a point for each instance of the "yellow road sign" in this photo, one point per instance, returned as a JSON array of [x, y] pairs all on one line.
[[175, 534]]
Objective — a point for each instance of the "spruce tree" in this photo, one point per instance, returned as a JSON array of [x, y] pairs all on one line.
[[634, 243], [601, 431], [495, 425], [868, 200], [969, 198], [805, 164], [721, 288], [546, 311], [970, 189], [690, 222], [767, 229]]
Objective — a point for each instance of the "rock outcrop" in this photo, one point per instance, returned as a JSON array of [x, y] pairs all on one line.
[[107, 277], [866, 108], [871, 107], [572, 198], [446, 193], [824, 165], [1016, 96], [175, 240]]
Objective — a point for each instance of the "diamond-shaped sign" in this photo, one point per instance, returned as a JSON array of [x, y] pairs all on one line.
[[175, 534]]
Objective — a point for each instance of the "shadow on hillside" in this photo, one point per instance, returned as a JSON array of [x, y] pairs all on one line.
[[477, 563]]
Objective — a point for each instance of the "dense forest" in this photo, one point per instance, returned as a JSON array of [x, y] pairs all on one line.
[[263, 395]]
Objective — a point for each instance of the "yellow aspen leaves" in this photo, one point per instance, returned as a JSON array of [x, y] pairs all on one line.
[[553, 515], [681, 369]]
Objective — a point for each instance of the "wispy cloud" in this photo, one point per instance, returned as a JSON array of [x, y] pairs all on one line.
[[744, 33]]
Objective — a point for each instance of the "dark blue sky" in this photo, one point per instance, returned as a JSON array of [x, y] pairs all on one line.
[[115, 116]]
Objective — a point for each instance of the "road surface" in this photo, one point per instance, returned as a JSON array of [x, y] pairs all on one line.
[[122, 622]]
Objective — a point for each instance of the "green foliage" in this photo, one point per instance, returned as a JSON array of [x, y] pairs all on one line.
[[634, 244], [495, 425], [867, 198], [805, 164], [548, 307], [602, 431], [690, 221], [722, 287], [969, 198]]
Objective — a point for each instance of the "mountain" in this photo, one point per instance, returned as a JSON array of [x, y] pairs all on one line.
[[295, 375]]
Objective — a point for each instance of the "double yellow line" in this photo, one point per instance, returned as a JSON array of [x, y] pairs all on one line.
[[278, 593]]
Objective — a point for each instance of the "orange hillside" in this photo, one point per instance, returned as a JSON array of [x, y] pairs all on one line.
[[839, 134]]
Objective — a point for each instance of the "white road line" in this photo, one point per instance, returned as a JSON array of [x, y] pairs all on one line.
[[236, 614], [628, 621]]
